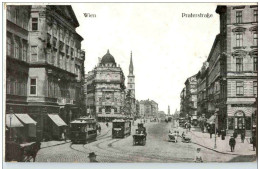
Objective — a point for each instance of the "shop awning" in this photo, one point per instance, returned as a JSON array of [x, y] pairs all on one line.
[[57, 120], [12, 121], [212, 119], [25, 118], [112, 115]]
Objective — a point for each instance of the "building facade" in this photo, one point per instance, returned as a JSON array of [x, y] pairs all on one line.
[[183, 112], [191, 97], [106, 90], [148, 109], [239, 65], [202, 105], [42, 41]]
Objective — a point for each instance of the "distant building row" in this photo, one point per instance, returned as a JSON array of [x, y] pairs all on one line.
[[226, 85]]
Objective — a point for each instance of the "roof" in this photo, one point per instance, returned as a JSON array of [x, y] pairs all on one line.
[[12, 121], [108, 58], [25, 118], [67, 12], [57, 120]]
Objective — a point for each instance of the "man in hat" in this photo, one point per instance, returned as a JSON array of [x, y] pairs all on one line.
[[232, 143], [92, 157], [198, 156]]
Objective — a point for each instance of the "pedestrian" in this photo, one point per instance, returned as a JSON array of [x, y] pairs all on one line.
[[99, 129], [232, 143], [254, 142], [107, 124], [198, 156], [189, 126], [242, 137], [65, 135], [210, 132], [92, 157]]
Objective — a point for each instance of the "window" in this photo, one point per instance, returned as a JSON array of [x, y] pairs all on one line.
[[9, 46], [34, 52], [61, 34], [25, 21], [34, 24], [255, 38], [239, 40], [67, 49], [24, 52], [16, 50], [255, 63], [238, 16], [54, 42], [8, 86], [16, 15], [255, 88], [239, 64], [255, 15], [33, 86], [71, 52], [240, 88]]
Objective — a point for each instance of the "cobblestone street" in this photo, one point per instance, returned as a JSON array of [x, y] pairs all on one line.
[[157, 149]]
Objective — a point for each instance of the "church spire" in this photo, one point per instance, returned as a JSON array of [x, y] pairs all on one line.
[[131, 67]]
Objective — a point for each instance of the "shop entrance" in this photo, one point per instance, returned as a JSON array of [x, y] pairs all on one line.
[[239, 122]]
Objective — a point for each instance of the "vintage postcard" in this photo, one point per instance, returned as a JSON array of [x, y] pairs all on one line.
[[130, 82]]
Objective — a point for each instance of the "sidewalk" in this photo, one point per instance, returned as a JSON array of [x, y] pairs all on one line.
[[204, 140]]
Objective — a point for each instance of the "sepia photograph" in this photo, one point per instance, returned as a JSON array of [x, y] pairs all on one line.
[[130, 82]]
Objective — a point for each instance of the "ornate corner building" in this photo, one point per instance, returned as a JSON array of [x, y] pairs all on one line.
[[44, 65], [106, 90]]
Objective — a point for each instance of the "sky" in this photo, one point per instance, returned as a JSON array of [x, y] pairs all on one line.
[[167, 48]]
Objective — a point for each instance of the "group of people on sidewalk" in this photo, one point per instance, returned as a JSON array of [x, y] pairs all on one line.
[[232, 141]]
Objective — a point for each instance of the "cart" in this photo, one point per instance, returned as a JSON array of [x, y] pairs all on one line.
[[139, 138]]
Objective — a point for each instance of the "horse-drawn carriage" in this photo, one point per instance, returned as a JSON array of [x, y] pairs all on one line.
[[139, 138], [21, 152]]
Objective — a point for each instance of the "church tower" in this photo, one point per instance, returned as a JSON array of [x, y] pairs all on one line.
[[131, 78]]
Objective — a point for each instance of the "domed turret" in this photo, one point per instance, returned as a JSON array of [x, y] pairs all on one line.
[[108, 60]]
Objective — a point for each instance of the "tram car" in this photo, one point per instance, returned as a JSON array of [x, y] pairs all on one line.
[[121, 128], [83, 130]]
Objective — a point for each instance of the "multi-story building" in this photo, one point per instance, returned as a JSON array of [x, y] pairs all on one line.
[[214, 82], [182, 103], [148, 109], [42, 41], [106, 90], [202, 103], [238, 55], [191, 97]]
